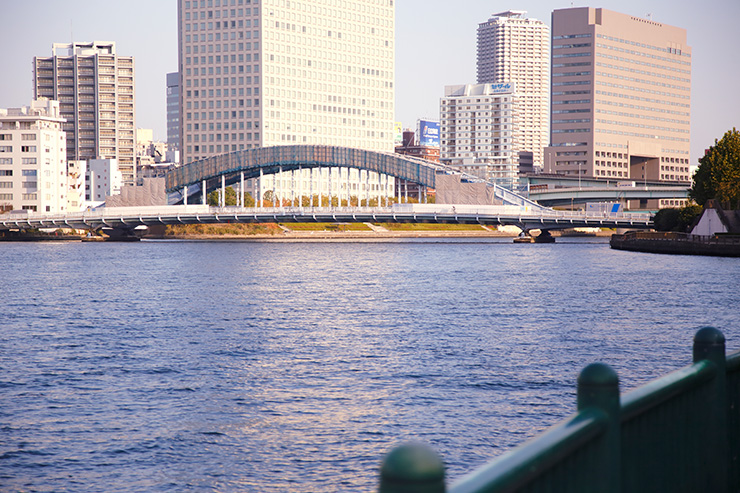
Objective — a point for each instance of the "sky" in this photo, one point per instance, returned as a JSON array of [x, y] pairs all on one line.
[[435, 46]]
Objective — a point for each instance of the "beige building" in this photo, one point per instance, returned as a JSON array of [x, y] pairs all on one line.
[[277, 73], [621, 97], [258, 75], [95, 88], [513, 48], [33, 161]]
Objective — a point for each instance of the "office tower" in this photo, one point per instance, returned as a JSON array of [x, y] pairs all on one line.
[[479, 131], [95, 88], [621, 97], [173, 111], [259, 74], [33, 161], [515, 49]]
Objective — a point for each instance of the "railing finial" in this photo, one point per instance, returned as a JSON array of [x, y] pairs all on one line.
[[412, 468]]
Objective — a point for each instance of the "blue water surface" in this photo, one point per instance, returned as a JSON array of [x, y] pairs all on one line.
[[264, 366]]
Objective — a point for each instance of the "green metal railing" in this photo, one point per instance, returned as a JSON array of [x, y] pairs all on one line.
[[679, 433]]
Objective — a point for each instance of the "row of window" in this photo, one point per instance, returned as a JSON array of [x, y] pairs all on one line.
[[642, 81], [648, 91], [643, 45], [644, 136], [23, 149], [216, 3], [23, 137], [637, 106]]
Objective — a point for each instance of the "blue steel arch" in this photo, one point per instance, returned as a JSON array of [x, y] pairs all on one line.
[[272, 160]]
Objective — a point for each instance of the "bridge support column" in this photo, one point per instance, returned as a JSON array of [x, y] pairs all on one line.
[[261, 199], [300, 187], [203, 192], [241, 190], [223, 190], [185, 196], [406, 190]]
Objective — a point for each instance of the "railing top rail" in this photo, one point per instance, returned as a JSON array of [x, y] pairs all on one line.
[[514, 468], [658, 391]]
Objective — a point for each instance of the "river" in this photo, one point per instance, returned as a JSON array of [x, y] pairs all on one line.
[[273, 367]]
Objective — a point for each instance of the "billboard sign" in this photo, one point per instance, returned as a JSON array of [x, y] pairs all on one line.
[[428, 133], [502, 87], [397, 134]]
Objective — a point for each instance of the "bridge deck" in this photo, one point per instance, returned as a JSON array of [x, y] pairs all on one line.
[[131, 217]]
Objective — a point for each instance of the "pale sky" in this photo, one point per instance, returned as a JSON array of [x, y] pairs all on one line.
[[435, 46]]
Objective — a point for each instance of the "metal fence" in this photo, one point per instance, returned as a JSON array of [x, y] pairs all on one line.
[[679, 433]]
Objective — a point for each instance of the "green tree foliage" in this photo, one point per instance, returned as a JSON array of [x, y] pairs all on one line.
[[676, 219], [718, 175], [231, 196]]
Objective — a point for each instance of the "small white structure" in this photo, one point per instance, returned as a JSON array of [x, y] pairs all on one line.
[[103, 178], [714, 220]]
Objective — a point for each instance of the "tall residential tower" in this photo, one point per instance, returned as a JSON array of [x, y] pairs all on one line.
[[95, 88], [621, 97], [515, 49], [259, 74]]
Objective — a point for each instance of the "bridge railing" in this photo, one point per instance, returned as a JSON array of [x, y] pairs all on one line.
[[679, 433]]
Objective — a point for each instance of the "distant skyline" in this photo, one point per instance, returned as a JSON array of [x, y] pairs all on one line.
[[435, 46]]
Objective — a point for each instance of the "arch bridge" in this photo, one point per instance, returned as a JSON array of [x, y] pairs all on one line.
[[227, 169]]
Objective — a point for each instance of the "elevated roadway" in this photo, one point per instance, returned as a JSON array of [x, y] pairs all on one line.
[[562, 196]]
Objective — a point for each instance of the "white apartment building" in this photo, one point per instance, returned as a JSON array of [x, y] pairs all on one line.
[[621, 97], [33, 158], [95, 88], [515, 49], [260, 74], [103, 178], [480, 134]]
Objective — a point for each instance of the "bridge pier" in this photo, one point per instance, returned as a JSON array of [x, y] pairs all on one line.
[[544, 237]]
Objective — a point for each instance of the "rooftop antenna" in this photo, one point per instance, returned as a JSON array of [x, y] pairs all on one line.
[[650, 16]]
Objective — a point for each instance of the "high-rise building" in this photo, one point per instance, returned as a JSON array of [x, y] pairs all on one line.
[[479, 131], [95, 88], [259, 74], [513, 48], [621, 97], [173, 111], [33, 160]]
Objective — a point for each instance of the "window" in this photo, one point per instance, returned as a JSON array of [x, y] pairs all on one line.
[[28, 148], [28, 160], [6, 148], [6, 172], [6, 136], [28, 137]]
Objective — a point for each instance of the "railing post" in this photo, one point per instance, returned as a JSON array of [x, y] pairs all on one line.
[[598, 387], [709, 344], [412, 468]]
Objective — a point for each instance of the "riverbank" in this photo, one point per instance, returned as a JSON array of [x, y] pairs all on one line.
[[370, 232]]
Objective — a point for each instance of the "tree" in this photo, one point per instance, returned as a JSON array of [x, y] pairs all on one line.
[[718, 175], [213, 197], [673, 219]]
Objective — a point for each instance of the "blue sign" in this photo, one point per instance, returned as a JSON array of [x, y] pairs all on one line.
[[428, 133], [502, 87]]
